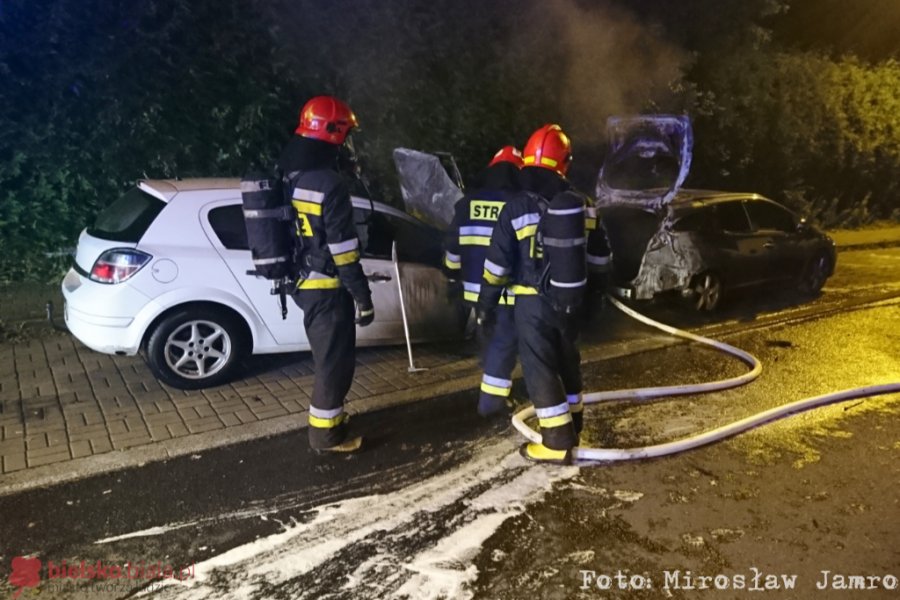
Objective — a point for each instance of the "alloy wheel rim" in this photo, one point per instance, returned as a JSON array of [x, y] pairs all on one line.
[[817, 274], [198, 349], [708, 291]]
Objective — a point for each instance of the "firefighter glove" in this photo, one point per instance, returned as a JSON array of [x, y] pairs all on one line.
[[365, 312]]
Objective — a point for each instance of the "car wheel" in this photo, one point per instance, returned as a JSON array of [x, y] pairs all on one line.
[[815, 273], [195, 348], [707, 292]]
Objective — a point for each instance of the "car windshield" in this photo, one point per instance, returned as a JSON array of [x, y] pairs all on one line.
[[126, 219]]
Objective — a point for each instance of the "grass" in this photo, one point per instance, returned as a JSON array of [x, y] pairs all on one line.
[[23, 310]]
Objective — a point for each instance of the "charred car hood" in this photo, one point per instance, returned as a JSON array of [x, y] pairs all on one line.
[[427, 189], [647, 162], [648, 159]]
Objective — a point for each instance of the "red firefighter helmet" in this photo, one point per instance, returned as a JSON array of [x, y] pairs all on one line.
[[508, 154], [550, 148], [326, 118]]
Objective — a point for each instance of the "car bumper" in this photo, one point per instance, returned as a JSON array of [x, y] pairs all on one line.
[[103, 317]]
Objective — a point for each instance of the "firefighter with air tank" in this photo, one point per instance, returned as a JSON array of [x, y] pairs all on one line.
[[546, 240], [466, 245], [331, 288]]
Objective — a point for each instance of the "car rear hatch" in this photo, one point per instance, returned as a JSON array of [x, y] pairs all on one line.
[[119, 225], [647, 161]]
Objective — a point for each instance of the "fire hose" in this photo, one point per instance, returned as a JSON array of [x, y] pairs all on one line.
[[583, 454]]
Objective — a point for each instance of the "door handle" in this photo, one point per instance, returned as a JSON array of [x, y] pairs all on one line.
[[375, 277]]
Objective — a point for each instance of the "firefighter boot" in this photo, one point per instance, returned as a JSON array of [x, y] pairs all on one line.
[[542, 454]]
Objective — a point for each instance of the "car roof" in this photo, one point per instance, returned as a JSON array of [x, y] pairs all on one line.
[[167, 189], [685, 200], [694, 197]]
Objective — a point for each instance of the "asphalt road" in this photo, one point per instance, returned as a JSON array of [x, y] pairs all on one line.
[[441, 505]]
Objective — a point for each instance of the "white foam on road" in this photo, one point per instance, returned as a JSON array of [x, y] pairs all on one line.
[[418, 542]]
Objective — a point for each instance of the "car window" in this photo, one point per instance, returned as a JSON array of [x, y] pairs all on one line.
[[228, 224], [374, 232], [732, 217], [770, 216], [415, 243], [703, 219], [128, 218]]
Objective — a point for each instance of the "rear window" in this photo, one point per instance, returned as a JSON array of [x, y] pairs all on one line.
[[126, 219], [228, 223]]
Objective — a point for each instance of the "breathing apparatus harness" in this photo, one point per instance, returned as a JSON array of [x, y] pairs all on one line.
[[279, 255]]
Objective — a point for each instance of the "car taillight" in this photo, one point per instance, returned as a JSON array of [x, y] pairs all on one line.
[[116, 266]]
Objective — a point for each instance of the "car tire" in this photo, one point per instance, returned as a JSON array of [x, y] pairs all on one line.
[[197, 347], [707, 291], [814, 275]]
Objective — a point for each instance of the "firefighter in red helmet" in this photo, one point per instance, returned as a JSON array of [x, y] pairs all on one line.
[[464, 261], [548, 292], [331, 288]]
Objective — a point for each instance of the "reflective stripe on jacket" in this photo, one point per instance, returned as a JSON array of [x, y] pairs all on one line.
[[514, 261], [468, 238], [325, 233]]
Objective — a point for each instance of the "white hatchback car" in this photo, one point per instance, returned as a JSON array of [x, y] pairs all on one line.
[[163, 271]]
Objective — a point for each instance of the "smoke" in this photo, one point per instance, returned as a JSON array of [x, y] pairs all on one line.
[[469, 76], [599, 61]]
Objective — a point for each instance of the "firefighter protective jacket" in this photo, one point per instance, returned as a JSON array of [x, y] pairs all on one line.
[[328, 250], [514, 264], [469, 236]]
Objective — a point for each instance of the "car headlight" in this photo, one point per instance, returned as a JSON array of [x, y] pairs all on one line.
[[118, 265]]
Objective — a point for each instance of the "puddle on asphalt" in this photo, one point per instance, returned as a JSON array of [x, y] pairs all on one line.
[[801, 435]]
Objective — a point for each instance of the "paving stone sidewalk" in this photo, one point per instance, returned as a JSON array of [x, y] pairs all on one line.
[[60, 401]]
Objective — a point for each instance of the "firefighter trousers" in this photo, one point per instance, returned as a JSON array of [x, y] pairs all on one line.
[[498, 361], [328, 317], [552, 370]]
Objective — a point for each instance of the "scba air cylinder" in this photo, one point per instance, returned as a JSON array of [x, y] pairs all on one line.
[[266, 217], [564, 245]]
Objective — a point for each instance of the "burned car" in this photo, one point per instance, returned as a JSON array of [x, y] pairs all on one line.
[[707, 242], [698, 243]]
